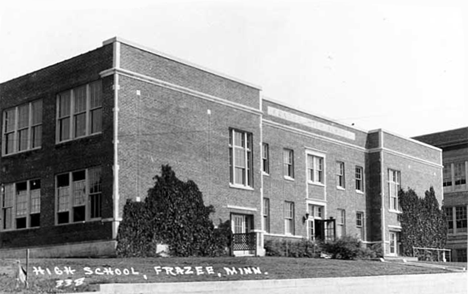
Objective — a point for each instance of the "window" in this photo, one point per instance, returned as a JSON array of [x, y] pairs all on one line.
[[240, 158], [341, 223], [447, 177], [360, 224], [449, 217], [266, 214], [316, 211], [22, 129], [393, 188], [460, 218], [359, 179], [461, 255], [315, 169], [79, 196], [79, 112], [340, 174], [460, 174], [266, 158], [289, 218], [21, 205], [288, 162]]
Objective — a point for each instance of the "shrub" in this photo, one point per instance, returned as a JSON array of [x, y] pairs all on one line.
[[173, 213], [291, 248], [348, 247]]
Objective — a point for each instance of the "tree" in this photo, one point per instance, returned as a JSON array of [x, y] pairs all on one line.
[[422, 221], [173, 213]]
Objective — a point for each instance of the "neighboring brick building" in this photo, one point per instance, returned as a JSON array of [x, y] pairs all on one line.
[[82, 136], [454, 145]]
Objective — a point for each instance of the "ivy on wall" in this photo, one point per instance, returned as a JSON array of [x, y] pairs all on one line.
[[173, 213], [423, 222]]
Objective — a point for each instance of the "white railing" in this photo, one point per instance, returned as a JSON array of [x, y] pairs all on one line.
[[432, 254]]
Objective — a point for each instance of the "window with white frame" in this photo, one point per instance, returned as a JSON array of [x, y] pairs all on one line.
[[315, 169], [341, 223], [21, 205], [240, 158], [340, 174], [394, 184], [316, 211], [266, 158], [360, 224], [447, 175], [266, 214], [79, 196], [288, 163], [289, 218], [79, 112], [460, 173], [460, 219], [22, 127], [359, 179]]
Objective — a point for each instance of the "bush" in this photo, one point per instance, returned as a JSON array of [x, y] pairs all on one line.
[[291, 248], [173, 213], [348, 247]]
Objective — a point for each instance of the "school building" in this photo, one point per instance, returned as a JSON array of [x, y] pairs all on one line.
[[454, 145], [81, 137]]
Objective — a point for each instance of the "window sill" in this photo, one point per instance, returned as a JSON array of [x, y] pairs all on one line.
[[78, 138], [16, 230], [289, 178], [265, 174], [80, 222], [316, 183], [284, 235], [360, 192], [395, 211], [20, 152], [240, 187], [340, 188]]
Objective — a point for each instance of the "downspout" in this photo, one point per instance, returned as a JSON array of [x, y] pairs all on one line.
[[382, 189], [116, 196]]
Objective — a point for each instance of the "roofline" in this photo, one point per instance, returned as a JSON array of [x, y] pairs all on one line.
[[406, 138], [153, 51], [441, 132], [313, 114]]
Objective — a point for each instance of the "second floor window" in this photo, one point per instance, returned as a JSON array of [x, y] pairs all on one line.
[[240, 158], [79, 112], [266, 158], [315, 169], [460, 173], [340, 174], [393, 188], [288, 163], [22, 128], [359, 179]]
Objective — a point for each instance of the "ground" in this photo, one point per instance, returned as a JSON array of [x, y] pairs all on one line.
[[80, 275]]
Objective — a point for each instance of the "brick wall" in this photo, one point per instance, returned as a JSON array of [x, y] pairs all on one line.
[[52, 158]]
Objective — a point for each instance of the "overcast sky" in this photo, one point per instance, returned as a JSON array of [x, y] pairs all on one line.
[[397, 65]]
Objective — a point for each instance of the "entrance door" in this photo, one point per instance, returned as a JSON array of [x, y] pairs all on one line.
[[394, 243], [244, 241]]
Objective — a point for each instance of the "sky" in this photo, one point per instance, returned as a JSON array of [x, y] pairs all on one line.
[[397, 65]]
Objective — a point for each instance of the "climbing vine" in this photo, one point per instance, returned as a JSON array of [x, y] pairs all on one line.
[[423, 222]]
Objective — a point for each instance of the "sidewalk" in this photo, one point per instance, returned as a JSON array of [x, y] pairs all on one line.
[[450, 283]]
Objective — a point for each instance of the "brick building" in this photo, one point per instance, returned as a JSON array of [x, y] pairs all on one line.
[[82, 136], [454, 145]]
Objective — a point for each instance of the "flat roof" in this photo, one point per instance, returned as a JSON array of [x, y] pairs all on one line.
[[176, 59]]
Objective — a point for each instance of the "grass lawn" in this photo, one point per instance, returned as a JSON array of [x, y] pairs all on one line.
[[82, 275]]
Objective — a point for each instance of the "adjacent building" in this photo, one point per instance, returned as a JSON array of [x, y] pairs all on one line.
[[454, 145], [81, 137]]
